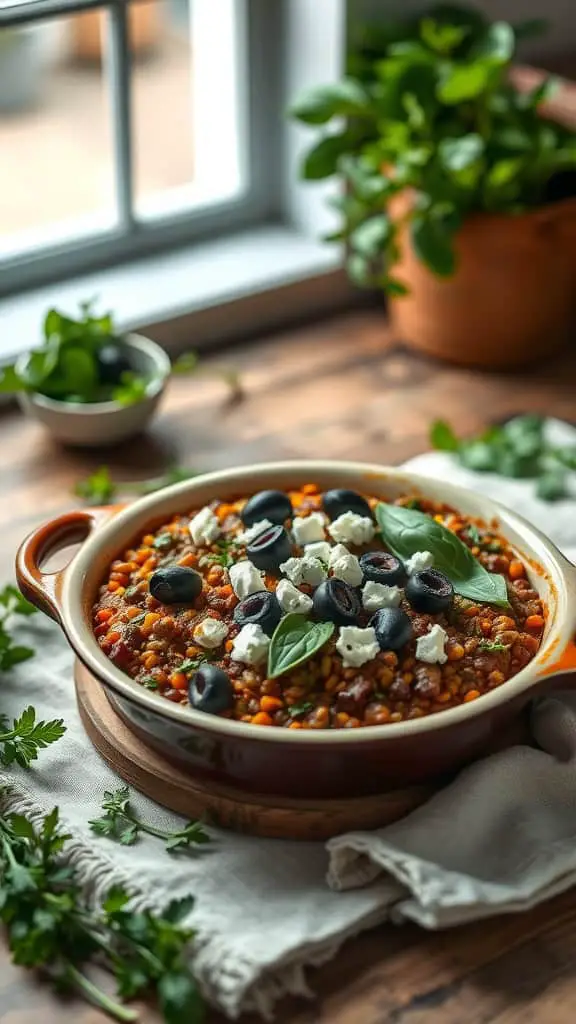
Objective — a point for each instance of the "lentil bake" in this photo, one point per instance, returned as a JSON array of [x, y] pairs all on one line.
[[305, 610]]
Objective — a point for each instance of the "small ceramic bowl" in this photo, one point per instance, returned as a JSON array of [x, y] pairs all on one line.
[[95, 424], [287, 762]]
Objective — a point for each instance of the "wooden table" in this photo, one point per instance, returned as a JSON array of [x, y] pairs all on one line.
[[341, 388]]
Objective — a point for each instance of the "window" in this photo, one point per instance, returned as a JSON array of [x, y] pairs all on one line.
[[151, 164], [125, 126]]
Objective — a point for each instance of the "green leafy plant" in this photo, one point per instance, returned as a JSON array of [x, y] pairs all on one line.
[[517, 449], [493, 645], [301, 709], [12, 603], [429, 129], [51, 926], [70, 365], [406, 531], [120, 822], [294, 640], [21, 741]]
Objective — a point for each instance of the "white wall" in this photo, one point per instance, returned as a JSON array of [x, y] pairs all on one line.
[[561, 15]]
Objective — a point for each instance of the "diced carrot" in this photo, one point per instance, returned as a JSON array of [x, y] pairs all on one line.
[[261, 718], [104, 614], [271, 703], [534, 622], [178, 680], [516, 570], [471, 695]]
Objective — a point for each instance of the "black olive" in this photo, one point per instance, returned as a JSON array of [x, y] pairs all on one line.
[[382, 567], [335, 503], [393, 628], [112, 362], [272, 505], [176, 584], [336, 601], [429, 591], [210, 690], [261, 609], [270, 548]]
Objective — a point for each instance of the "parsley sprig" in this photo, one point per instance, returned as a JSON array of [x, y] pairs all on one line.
[[21, 741], [120, 822], [51, 926], [517, 448], [99, 488]]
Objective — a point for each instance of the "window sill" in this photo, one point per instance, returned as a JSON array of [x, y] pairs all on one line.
[[252, 282]]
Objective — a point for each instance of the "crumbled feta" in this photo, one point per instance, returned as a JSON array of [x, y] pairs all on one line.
[[291, 599], [350, 528], [304, 570], [246, 579], [357, 645], [378, 595], [247, 536], [319, 549], [430, 647], [419, 561], [345, 566], [210, 633], [308, 529], [251, 645], [204, 527]]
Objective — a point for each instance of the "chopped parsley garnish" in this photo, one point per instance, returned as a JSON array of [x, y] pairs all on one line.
[[492, 645], [301, 709]]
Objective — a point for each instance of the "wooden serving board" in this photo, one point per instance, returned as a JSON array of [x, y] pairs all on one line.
[[254, 814]]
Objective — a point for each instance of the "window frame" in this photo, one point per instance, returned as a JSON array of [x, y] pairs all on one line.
[[135, 234]]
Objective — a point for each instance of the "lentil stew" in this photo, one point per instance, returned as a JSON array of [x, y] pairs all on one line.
[[290, 610]]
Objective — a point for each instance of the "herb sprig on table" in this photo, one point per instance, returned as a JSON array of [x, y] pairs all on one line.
[[516, 449], [99, 488], [120, 822], [51, 925]]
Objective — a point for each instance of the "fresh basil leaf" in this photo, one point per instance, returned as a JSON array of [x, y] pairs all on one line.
[[433, 245], [407, 531], [294, 640], [322, 160], [443, 438], [10, 381], [551, 485], [481, 456], [464, 81], [345, 98], [370, 238]]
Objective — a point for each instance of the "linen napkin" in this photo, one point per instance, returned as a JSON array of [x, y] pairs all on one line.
[[498, 839]]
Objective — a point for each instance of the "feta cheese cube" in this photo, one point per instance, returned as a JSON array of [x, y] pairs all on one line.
[[308, 529], [319, 549], [345, 566], [291, 599], [378, 595], [247, 536], [246, 579], [204, 527], [304, 570], [357, 645], [430, 647], [351, 528], [210, 633], [251, 645], [419, 561]]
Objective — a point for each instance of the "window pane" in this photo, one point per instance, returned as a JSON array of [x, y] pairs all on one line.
[[56, 162], [188, 107]]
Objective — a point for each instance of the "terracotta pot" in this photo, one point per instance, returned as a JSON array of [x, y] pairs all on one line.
[[512, 299], [286, 762], [89, 31]]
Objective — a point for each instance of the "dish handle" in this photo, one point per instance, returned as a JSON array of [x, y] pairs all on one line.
[[43, 588]]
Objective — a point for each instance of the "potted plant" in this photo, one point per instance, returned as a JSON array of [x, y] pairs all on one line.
[[459, 198], [87, 384]]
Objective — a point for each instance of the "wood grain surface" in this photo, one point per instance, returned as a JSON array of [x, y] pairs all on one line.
[[341, 388]]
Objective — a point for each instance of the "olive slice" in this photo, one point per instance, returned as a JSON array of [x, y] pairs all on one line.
[[382, 567], [262, 609], [429, 591], [336, 601], [175, 584], [393, 628], [270, 548], [275, 506], [210, 690], [336, 502]]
